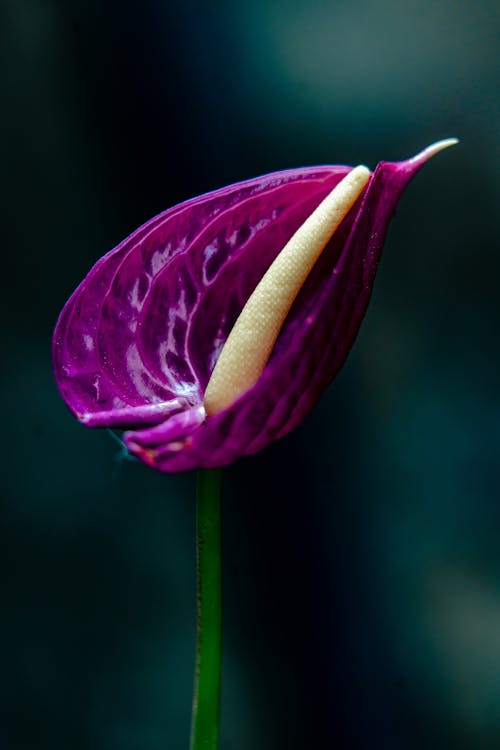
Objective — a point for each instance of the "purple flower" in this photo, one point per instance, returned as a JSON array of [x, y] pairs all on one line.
[[135, 345]]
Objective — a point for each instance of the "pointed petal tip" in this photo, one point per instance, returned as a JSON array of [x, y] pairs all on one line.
[[434, 148]]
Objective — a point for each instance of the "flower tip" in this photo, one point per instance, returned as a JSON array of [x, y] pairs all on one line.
[[434, 148]]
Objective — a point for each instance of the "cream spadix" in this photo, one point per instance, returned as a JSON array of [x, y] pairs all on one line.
[[252, 338]]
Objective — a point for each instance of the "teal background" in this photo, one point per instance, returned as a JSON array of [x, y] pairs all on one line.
[[361, 553]]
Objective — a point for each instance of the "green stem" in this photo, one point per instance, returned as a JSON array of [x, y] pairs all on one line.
[[206, 696]]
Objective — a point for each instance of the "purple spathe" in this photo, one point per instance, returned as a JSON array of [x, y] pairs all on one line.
[[136, 343]]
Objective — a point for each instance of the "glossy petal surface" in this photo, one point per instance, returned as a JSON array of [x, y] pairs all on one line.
[[135, 344]]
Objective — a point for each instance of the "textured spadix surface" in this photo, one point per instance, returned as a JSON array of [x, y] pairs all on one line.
[[136, 343], [252, 338]]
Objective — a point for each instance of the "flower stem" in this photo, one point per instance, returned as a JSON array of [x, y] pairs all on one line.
[[206, 696]]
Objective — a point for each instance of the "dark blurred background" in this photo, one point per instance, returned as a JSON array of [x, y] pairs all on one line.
[[361, 553]]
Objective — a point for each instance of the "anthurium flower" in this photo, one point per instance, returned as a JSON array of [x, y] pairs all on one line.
[[214, 328]]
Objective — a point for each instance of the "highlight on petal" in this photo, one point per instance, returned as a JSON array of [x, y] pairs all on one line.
[[136, 344]]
